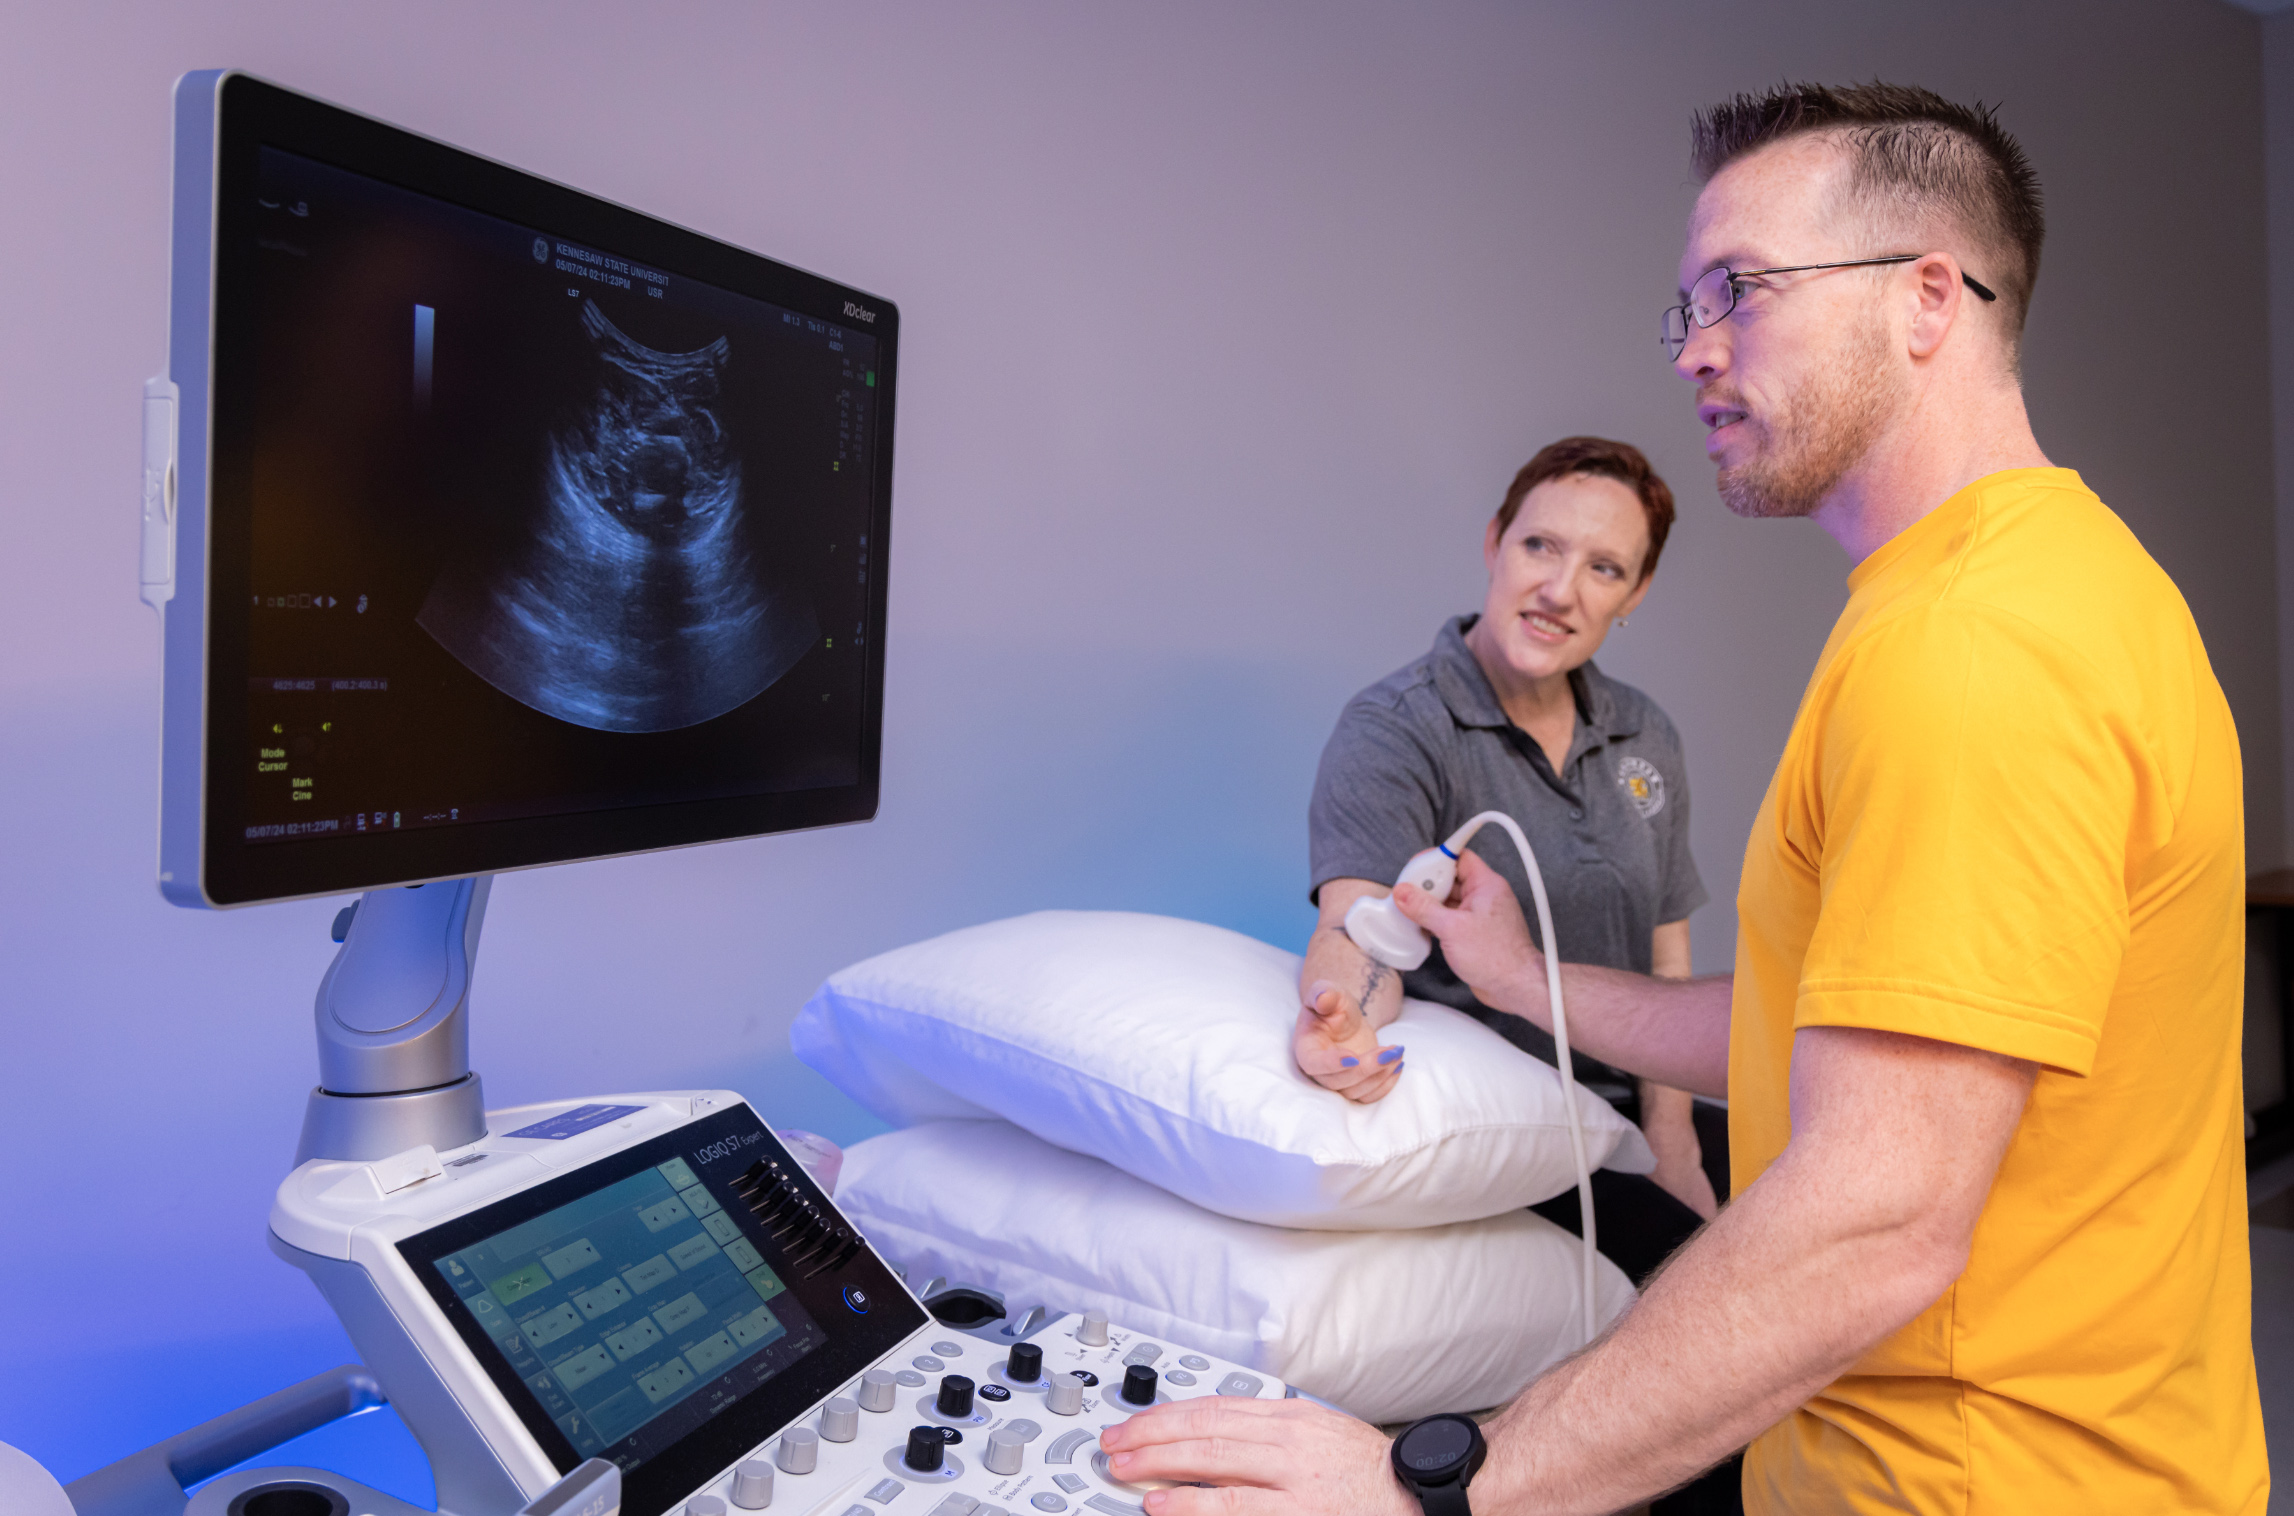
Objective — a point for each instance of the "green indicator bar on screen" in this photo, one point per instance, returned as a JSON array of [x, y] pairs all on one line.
[[511, 1288]]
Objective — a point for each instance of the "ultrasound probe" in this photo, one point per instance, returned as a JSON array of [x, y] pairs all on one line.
[[1379, 928]]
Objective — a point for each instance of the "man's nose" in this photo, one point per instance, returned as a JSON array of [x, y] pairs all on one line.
[[1704, 356]]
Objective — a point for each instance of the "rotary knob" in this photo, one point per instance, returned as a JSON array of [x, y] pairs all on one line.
[[1093, 1332], [1003, 1452], [1065, 1396], [878, 1387], [926, 1450], [799, 1452], [704, 1505], [955, 1400], [753, 1484], [840, 1419], [1139, 1385], [1025, 1366]]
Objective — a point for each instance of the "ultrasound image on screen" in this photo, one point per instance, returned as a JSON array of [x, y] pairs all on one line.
[[633, 606], [537, 529]]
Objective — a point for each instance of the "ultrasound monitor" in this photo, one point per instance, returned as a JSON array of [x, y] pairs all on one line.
[[494, 525]]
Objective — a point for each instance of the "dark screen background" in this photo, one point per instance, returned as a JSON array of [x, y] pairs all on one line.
[[365, 500]]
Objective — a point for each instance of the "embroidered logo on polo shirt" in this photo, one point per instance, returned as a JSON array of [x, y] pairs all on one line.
[[1643, 785]]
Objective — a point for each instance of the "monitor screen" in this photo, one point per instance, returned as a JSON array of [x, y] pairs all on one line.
[[638, 1309], [536, 529]]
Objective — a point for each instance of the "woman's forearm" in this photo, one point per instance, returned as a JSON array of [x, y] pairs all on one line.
[[1332, 958]]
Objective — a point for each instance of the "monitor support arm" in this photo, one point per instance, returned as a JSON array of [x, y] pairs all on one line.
[[394, 1026]]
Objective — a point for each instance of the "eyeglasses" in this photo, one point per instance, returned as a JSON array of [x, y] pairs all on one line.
[[1717, 291]]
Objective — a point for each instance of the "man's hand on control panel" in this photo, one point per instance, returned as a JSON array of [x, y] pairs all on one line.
[[1261, 1457]]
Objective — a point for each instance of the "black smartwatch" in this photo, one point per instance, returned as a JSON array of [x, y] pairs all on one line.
[[1436, 1459]]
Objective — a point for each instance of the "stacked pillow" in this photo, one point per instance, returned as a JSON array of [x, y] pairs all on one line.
[[1390, 1325], [1160, 1050]]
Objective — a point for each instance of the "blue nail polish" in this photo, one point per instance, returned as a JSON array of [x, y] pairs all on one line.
[[1349, 1063], [1389, 1055]]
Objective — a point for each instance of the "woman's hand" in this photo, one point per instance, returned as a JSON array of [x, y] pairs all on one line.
[[1337, 1047], [1667, 1121]]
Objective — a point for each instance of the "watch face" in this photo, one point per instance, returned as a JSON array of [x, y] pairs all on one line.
[[1432, 1446]]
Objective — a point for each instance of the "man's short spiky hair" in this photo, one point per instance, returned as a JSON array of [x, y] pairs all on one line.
[[1913, 153]]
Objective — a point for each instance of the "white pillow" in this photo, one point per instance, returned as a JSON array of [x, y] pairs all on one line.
[[1163, 1047], [1388, 1325]]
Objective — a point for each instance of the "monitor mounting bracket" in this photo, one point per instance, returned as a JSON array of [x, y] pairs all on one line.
[[393, 1018]]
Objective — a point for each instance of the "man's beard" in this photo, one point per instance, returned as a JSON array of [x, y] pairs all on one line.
[[1832, 423]]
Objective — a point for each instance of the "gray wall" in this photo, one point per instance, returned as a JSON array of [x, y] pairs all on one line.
[[1225, 327], [2278, 159]]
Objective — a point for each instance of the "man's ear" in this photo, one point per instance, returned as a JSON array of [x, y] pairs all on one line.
[[1938, 302]]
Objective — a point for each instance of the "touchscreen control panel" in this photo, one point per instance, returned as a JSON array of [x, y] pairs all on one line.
[[655, 1280], [633, 1313]]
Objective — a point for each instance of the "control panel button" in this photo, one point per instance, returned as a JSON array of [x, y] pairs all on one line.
[[1195, 1361], [1025, 1431], [879, 1389], [856, 1300], [926, 1451], [1062, 1449], [1072, 1483], [1108, 1505], [929, 1364], [995, 1392], [910, 1378], [886, 1491], [753, 1485], [1025, 1365], [1178, 1377], [1093, 1332], [1004, 1452], [1139, 1385], [1047, 1501], [956, 1505], [948, 1350], [1245, 1385], [1143, 1352], [840, 1419], [799, 1451]]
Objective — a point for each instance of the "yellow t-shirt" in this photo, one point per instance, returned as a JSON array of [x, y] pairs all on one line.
[[2009, 817]]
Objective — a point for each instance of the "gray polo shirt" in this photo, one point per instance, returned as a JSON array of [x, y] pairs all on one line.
[[1425, 748]]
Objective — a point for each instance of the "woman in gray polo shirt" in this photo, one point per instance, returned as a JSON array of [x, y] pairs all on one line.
[[1507, 712]]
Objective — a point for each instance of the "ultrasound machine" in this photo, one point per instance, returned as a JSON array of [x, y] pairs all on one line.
[[493, 526]]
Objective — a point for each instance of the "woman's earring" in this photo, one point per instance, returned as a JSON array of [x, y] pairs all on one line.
[[1621, 621]]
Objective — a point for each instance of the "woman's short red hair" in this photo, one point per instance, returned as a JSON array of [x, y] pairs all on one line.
[[1605, 459]]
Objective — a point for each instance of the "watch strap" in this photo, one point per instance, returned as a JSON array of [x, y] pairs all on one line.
[[1446, 1499]]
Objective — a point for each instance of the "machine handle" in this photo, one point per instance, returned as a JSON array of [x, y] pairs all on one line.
[[152, 1482]]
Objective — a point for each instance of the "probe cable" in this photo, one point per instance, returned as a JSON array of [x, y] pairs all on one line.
[[1569, 1085]]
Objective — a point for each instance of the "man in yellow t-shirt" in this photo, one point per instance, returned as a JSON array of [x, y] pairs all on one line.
[[1988, 1246]]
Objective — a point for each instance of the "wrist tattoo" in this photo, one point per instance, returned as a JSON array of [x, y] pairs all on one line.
[[1372, 982]]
